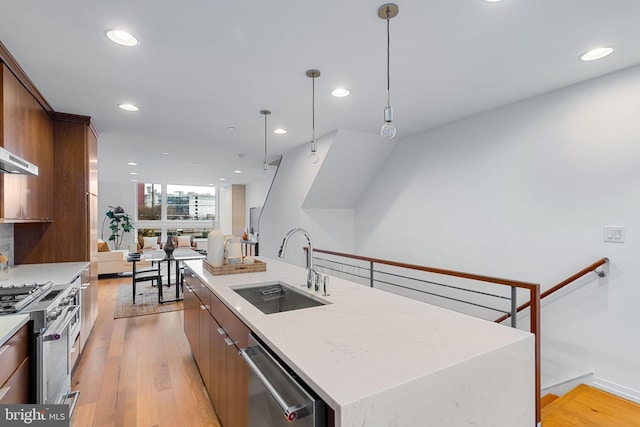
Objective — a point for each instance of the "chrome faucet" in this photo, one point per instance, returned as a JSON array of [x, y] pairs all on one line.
[[311, 273]]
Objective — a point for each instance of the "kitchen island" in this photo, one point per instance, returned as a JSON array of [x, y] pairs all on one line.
[[379, 359]]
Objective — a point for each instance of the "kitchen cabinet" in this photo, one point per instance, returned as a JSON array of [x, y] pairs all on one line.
[[27, 131], [205, 325], [191, 312], [73, 235], [215, 339], [14, 369]]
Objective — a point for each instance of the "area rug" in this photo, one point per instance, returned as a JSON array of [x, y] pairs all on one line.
[[146, 301]]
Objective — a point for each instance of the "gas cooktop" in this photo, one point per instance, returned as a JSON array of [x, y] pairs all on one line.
[[14, 297]]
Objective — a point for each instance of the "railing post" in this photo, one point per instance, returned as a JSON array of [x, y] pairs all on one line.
[[514, 307], [371, 274], [535, 329]]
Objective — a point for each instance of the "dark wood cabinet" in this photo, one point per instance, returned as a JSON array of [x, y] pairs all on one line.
[[218, 370], [27, 131], [73, 234], [205, 322], [14, 369], [216, 335]]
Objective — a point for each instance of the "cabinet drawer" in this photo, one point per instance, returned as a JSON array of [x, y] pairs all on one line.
[[16, 389], [233, 326], [13, 352]]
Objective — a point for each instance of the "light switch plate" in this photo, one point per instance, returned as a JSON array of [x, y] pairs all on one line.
[[614, 233]]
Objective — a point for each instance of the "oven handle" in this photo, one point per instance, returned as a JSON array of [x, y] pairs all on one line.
[[56, 335], [291, 412]]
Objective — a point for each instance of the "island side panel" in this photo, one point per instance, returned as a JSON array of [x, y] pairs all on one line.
[[495, 389]]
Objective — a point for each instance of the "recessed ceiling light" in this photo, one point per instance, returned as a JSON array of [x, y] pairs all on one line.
[[231, 128], [132, 164], [598, 53], [493, 1], [280, 131], [134, 180], [340, 92], [133, 173], [237, 171], [122, 38], [164, 153], [128, 107], [222, 179]]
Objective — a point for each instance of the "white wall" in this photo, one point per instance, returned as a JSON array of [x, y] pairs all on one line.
[[225, 218], [256, 192], [282, 209], [523, 192]]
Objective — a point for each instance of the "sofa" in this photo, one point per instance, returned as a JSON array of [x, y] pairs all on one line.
[[112, 261]]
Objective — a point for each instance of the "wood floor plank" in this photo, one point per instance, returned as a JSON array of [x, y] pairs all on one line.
[[586, 406], [138, 372]]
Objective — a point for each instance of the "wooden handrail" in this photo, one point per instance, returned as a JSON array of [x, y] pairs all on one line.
[[496, 280], [556, 288], [534, 297]]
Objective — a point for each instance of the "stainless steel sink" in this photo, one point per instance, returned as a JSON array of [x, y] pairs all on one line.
[[276, 297]]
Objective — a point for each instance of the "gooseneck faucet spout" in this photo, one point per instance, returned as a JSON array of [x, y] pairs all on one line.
[[283, 248]]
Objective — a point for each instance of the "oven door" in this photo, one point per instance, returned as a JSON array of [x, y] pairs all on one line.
[[55, 376]]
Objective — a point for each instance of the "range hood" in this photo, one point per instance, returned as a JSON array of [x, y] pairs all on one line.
[[10, 163]]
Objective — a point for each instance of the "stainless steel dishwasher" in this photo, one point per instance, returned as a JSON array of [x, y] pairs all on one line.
[[276, 397]]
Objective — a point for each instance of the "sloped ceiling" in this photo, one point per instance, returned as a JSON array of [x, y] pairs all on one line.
[[352, 161]]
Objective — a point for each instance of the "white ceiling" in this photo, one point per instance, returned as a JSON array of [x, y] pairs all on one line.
[[204, 65]]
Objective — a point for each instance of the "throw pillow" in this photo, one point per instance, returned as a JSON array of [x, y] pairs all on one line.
[[184, 241], [103, 246], [150, 243]]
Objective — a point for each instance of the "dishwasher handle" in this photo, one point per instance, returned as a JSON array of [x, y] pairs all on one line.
[[291, 412]]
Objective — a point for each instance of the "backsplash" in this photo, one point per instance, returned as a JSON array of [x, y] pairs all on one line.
[[6, 241]]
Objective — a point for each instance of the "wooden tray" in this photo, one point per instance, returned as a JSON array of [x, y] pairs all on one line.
[[235, 268]]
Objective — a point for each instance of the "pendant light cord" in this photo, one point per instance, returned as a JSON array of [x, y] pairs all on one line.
[[388, 50], [313, 108], [265, 138]]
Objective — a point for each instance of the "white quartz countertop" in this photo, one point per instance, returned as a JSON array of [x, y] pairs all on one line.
[[59, 273], [9, 325], [365, 342]]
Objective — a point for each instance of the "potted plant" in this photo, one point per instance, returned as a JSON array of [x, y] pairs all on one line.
[[119, 223]]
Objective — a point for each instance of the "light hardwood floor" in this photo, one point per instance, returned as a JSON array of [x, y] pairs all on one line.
[[138, 371]]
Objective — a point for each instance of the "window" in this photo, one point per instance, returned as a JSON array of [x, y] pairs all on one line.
[[191, 203], [174, 210], [149, 202]]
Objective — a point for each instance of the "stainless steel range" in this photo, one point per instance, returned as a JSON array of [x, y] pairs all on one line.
[[15, 297], [55, 324]]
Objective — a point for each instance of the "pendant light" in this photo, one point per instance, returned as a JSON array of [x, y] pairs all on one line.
[[312, 74], [265, 165], [388, 129]]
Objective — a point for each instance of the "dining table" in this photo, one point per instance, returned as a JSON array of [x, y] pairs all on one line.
[[179, 255]]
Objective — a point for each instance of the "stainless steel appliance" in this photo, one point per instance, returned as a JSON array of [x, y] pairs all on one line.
[[277, 397], [55, 323], [11, 163]]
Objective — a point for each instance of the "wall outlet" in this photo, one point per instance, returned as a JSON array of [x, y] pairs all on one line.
[[614, 233]]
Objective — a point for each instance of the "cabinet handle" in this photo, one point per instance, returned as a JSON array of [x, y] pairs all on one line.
[[4, 391], [4, 348], [229, 341], [221, 331]]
